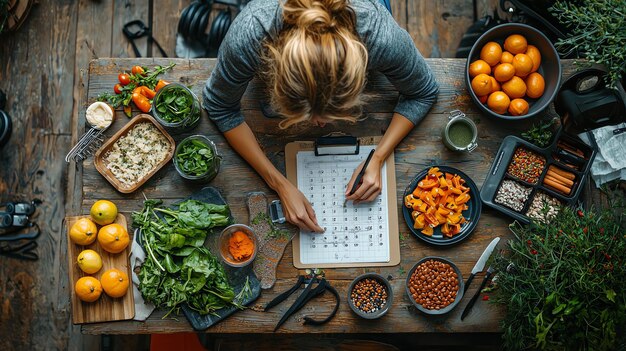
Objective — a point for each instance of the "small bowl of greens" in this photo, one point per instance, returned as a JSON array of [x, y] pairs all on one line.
[[196, 158], [177, 108]]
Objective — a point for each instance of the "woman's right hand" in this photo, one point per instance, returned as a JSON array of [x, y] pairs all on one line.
[[297, 208]]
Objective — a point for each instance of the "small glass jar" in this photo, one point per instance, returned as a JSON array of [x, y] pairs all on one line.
[[460, 133], [184, 122], [213, 167]]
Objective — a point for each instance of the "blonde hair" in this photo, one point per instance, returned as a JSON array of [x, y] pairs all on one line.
[[317, 66]]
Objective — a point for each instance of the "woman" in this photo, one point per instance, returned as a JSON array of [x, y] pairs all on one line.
[[315, 55]]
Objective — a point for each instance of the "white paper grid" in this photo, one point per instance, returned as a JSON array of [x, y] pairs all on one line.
[[353, 234]]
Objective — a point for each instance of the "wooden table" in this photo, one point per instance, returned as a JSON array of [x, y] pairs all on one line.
[[421, 149]]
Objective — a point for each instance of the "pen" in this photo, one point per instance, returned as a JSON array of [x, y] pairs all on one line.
[[359, 177]]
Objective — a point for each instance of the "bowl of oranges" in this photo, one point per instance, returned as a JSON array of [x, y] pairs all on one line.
[[513, 72]]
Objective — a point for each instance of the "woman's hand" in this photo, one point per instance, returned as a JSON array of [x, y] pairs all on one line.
[[297, 208], [371, 183]]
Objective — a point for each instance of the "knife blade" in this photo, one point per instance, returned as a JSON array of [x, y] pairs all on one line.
[[468, 308], [480, 264]]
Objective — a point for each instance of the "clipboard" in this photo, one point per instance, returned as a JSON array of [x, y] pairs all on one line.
[[342, 145]]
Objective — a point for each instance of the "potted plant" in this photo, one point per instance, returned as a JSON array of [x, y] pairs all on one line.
[[563, 281], [597, 33]]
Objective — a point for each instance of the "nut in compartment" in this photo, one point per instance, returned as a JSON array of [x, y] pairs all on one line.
[[526, 165], [512, 195], [560, 180], [543, 207]]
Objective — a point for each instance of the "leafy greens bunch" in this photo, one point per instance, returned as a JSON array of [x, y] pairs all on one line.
[[597, 33], [175, 104], [195, 157], [564, 283], [178, 268]]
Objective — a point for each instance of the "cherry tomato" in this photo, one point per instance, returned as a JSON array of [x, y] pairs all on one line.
[[142, 102], [138, 70], [124, 78], [161, 84], [147, 92], [117, 88]]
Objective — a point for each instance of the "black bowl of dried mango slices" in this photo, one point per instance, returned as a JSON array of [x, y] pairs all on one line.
[[441, 205]]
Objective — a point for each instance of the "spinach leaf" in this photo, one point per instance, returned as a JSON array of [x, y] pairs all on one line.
[[175, 104], [194, 157]]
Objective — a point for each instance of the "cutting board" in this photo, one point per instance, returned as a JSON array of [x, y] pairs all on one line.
[[105, 309]]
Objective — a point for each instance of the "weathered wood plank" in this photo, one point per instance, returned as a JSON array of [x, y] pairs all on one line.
[[38, 65], [125, 11], [420, 149], [437, 26], [165, 18]]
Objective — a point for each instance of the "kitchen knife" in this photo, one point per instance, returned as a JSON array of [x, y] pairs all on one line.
[[468, 308], [480, 265]]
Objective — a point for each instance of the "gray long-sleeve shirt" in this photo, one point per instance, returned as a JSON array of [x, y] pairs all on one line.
[[390, 48]]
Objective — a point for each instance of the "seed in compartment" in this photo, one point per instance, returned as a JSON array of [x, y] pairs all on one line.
[[512, 195], [526, 165], [543, 207]]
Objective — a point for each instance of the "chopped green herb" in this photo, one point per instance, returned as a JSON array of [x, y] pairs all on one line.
[[274, 231]]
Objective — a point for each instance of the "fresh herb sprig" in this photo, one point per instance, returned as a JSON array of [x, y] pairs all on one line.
[[540, 134], [597, 31], [563, 282], [176, 104], [178, 268], [195, 157]]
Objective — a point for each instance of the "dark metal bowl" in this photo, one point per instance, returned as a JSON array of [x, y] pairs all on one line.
[[459, 294], [379, 313], [550, 67]]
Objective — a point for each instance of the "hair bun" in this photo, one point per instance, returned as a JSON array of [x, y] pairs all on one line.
[[317, 15]]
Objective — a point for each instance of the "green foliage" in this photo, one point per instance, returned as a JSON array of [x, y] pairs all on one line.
[[195, 157], [564, 283], [178, 268], [540, 134], [274, 232], [597, 33], [175, 104]]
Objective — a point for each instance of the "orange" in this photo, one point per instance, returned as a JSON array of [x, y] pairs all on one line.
[[504, 72], [89, 261], [518, 107], [103, 212], [491, 53], [534, 55], [479, 66], [113, 238], [481, 84], [498, 102], [523, 65], [495, 86], [88, 289], [507, 57], [535, 85], [515, 44], [514, 88], [115, 282], [83, 232], [483, 99]]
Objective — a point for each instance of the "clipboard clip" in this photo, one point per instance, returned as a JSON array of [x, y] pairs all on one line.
[[337, 144]]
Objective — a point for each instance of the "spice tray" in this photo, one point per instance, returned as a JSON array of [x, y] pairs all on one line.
[[523, 175], [236, 276]]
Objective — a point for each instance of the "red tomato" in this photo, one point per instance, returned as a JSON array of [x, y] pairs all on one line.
[[142, 102], [117, 88], [124, 78], [138, 70]]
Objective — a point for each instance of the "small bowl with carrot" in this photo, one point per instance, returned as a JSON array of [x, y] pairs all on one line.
[[238, 245]]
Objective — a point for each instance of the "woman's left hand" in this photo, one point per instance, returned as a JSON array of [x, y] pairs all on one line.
[[371, 183]]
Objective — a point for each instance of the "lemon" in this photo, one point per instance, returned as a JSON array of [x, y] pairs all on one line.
[[89, 261], [103, 212]]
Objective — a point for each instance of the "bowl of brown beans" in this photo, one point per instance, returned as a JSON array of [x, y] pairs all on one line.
[[434, 285], [370, 295]]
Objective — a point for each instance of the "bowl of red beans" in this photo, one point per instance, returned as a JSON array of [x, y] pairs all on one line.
[[434, 285]]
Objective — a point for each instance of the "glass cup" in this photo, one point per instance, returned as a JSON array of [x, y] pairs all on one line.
[[189, 121], [460, 133], [213, 168]]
